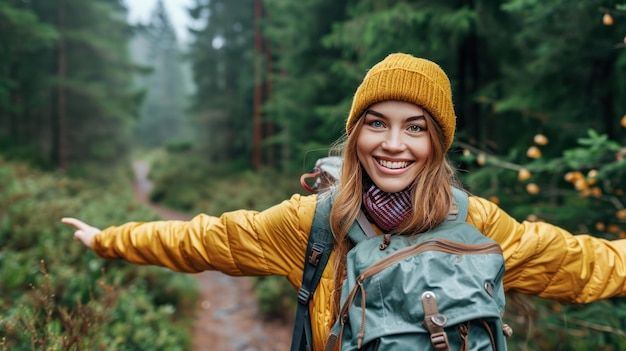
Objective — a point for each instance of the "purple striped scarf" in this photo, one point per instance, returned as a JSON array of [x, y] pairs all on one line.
[[388, 210]]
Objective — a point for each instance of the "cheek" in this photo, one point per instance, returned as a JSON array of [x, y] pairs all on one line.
[[360, 156], [362, 150], [423, 148]]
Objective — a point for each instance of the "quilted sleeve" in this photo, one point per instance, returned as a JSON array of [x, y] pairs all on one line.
[[236, 243], [545, 260]]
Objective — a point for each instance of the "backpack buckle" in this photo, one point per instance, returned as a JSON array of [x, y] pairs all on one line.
[[316, 253], [440, 341], [303, 296]]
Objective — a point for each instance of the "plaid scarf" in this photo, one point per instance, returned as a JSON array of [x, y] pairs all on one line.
[[388, 210]]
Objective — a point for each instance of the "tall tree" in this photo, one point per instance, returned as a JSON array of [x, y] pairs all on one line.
[[80, 105], [223, 55], [24, 39], [308, 79], [156, 46]]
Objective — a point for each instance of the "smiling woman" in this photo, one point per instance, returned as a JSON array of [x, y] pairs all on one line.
[[395, 182]]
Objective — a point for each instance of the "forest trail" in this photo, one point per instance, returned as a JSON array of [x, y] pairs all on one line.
[[227, 315]]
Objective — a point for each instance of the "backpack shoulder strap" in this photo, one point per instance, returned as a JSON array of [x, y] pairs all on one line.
[[361, 229], [318, 251], [461, 199]]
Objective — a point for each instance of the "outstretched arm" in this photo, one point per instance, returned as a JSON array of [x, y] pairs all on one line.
[[548, 261], [271, 242], [84, 232]]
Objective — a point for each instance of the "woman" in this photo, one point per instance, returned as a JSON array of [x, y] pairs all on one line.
[[399, 128]]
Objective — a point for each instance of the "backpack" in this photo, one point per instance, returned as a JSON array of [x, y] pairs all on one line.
[[437, 290]]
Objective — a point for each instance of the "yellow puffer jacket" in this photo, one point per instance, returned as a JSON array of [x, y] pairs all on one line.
[[541, 259]]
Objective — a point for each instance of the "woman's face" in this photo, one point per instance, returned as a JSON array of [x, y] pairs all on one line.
[[393, 144]]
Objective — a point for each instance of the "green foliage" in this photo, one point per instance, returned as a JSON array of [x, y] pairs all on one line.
[[65, 92], [223, 60], [276, 297], [56, 294], [189, 183], [581, 190]]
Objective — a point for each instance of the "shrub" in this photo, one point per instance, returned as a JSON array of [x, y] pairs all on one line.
[[57, 295]]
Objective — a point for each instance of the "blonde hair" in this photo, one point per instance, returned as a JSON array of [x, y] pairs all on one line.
[[431, 195]]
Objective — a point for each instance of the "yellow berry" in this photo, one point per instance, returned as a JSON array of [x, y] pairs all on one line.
[[621, 214], [481, 159], [600, 227], [532, 188], [540, 139], [494, 199], [613, 228], [623, 120], [591, 177], [581, 184], [607, 19], [533, 152], [573, 176], [466, 152], [596, 192], [523, 174]]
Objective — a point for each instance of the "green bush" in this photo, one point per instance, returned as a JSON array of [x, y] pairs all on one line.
[[581, 190], [56, 294]]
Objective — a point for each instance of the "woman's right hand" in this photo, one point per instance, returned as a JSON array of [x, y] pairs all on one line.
[[84, 232]]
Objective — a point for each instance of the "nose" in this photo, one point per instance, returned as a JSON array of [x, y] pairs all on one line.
[[394, 141]]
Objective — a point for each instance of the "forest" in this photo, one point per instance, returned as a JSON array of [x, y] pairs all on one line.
[[232, 118]]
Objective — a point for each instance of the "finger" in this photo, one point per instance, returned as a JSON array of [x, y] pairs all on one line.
[[76, 223]]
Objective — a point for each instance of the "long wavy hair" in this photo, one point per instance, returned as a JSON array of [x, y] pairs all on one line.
[[431, 193]]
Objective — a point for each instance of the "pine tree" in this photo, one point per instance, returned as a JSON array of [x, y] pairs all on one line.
[[156, 47]]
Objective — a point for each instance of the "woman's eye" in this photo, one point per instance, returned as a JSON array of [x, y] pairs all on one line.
[[376, 124], [415, 129]]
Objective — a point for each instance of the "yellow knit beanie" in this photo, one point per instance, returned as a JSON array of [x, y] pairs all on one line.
[[407, 78]]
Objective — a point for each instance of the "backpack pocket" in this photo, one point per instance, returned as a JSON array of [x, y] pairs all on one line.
[[383, 304]]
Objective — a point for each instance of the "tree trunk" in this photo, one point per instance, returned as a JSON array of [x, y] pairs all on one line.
[[60, 129], [268, 95], [258, 87]]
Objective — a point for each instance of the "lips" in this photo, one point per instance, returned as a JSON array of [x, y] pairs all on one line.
[[393, 164]]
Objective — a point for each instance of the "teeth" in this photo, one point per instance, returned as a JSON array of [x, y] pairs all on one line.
[[393, 165]]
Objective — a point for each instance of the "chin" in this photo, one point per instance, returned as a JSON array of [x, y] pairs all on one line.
[[392, 188]]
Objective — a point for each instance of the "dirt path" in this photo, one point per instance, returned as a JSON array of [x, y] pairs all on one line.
[[227, 317]]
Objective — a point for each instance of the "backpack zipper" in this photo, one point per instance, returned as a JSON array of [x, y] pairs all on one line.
[[441, 245]]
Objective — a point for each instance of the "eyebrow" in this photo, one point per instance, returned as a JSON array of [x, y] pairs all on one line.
[[380, 115]]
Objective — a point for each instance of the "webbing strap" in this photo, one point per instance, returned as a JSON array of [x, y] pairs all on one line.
[[318, 252], [305, 293], [461, 198], [434, 322]]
